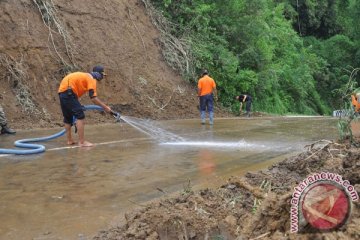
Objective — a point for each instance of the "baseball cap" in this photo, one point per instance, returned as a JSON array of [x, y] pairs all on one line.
[[96, 75], [99, 69]]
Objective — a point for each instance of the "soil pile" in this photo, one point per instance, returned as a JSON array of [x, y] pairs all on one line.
[[256, 206], [50, 38]]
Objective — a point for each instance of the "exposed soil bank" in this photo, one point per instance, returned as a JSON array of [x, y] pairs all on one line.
[[36, 53]]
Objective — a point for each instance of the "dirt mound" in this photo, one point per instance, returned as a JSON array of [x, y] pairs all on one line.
[[49, 38], [256, 206]]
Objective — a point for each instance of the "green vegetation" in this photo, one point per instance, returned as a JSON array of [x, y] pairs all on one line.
[[292, 56], [345, 122]]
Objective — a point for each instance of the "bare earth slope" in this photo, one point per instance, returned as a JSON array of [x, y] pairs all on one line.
[[115, 33]]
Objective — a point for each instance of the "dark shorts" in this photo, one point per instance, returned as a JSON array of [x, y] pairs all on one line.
[[206, 102], [71, 108]]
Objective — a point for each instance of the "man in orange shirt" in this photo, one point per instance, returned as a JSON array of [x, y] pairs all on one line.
[[206, 93], [355, 100], [73, 86]]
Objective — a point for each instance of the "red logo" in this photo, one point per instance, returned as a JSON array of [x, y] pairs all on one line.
[[325, 206]]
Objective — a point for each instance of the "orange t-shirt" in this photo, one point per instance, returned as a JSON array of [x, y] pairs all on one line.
[[355, 103], [80, 83], [206, 85]]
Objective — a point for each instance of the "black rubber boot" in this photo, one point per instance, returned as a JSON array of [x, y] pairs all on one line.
[[6, 129]]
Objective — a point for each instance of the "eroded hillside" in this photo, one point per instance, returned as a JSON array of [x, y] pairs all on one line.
[[43, 39]]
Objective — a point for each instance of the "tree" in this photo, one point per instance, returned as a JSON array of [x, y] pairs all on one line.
[[288, 54]]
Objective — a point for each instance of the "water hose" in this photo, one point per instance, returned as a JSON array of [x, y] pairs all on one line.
[[32, 148], [37, 148]]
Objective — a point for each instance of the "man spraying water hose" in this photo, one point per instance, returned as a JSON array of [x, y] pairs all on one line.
[[73, 86]]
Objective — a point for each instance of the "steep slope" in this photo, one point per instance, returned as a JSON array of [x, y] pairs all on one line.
[[43, 39]]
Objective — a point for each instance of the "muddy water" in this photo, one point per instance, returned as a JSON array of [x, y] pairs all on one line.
[[72, 193]]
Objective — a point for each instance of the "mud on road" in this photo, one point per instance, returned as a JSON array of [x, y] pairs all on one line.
[[255, 206]]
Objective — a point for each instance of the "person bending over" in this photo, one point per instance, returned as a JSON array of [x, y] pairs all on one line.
[[73, 86], [245, 98]]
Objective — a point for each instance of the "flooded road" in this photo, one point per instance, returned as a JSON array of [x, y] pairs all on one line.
[[72, 193]]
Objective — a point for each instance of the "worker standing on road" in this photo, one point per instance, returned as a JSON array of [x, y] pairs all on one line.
[[3, 123], [206, 93], [73, 86], [245, 98]]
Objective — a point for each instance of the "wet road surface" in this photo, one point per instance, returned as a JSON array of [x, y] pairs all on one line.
[[72, 193]]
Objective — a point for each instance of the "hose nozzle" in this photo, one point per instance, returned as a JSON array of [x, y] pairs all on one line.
[[116, 115]]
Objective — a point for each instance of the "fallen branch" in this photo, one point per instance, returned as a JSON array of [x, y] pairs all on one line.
[[49, 17], [261, 236], [142, 40], [164, 105], [255, 191], [311, 146], [176, 50], [316, 152], [16, 72]]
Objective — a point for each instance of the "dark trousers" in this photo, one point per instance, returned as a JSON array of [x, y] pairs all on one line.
[[248, 106], [207, 102]]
